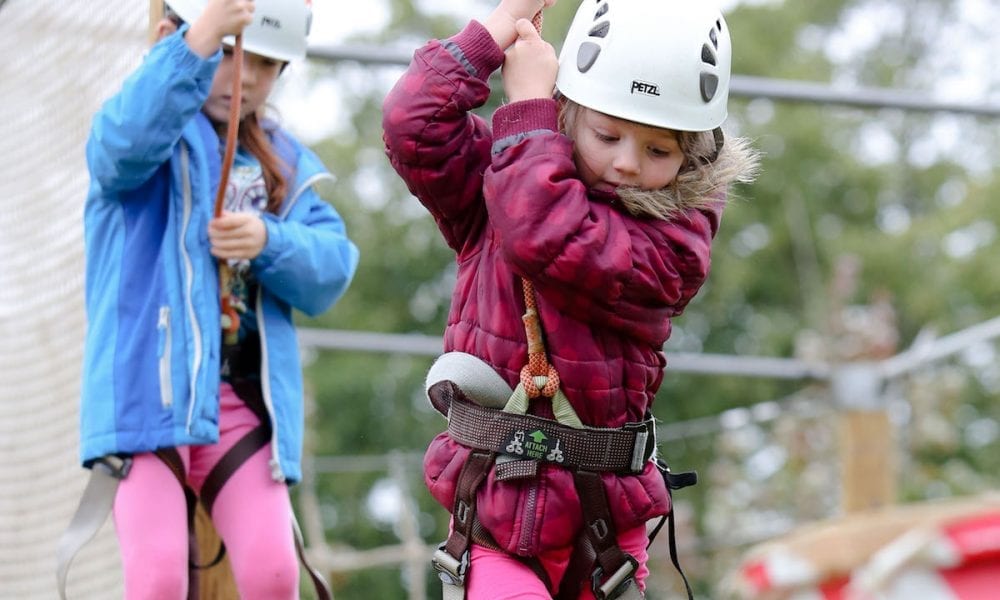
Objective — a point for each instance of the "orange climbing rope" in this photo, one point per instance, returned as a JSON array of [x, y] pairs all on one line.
[[538, 363], [231, 320], [236, 99], [537, 21]]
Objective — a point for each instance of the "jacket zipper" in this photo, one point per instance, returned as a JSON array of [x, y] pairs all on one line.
[[166, 383], [277, 474], [287, 207], [528, 520], [188, 286], [265, 389]]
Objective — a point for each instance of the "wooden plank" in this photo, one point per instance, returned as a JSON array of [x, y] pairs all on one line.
[[867, 457]]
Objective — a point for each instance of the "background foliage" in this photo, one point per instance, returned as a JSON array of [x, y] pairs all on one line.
[[868, 230]]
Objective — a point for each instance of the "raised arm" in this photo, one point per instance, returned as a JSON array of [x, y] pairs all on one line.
[[438, 147], [136, 130]]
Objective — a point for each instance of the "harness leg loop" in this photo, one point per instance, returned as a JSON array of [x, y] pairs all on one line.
[[95, 505], [451, 560], [613, 570]]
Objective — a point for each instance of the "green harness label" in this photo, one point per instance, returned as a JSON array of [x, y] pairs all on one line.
[[534, 445]]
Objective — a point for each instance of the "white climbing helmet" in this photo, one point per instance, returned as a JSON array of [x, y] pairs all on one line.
[[664, 63], [278, 31]]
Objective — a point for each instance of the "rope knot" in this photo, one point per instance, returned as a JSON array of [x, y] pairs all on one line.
[[539, 373]]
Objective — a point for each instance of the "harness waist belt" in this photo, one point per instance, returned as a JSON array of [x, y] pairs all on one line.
[[623, 450]]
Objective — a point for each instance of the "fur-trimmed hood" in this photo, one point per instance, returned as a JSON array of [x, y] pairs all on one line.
[[699, 185]]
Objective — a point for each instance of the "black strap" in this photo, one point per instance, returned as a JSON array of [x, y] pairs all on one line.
[[474, 472], [320, 585], [250, 393], [599, 529], [674, 481], [466, 527], [451, 560], [247, 446], [578, 571], [172, 459]]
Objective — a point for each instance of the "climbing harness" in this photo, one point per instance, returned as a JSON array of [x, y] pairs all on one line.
[[513, 443]]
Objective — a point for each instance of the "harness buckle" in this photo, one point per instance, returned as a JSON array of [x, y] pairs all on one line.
[[451, 571], [645, 443], [114, 465], [618, 583]]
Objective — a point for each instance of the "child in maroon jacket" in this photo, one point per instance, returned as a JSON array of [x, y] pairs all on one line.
[[592, 202]]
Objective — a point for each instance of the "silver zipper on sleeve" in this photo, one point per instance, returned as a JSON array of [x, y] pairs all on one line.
[[166, 383]]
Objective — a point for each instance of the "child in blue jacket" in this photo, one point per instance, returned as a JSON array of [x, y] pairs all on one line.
[[163, 383]]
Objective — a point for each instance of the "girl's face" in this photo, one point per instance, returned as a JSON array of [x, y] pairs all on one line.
[[611, 153], [258, 77]]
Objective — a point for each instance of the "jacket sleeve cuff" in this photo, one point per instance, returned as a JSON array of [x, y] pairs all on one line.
[[186, 60], [273, 246], [524, 117], [478, 49], [519, 120]]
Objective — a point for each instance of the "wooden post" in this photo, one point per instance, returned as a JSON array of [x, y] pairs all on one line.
[[867, 460]]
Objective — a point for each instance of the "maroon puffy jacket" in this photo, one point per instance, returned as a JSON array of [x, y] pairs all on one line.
[[510, 203]]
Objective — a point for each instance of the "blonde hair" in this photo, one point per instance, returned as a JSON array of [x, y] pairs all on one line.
[[711, 165]]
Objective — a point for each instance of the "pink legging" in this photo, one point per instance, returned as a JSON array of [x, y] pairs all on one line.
[[252, 514], [495, 575]]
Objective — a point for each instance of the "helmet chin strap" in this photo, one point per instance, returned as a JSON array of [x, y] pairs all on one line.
[[720, 141]]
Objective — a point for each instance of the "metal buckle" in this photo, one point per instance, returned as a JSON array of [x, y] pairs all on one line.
[[644, 431], [618, 583], [451, 571], [114, 465]]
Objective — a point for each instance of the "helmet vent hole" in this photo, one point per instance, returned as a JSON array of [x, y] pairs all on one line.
[[601, 11], [714, 36], [586, 56], [708, 55], [600, 30], [709, 85]]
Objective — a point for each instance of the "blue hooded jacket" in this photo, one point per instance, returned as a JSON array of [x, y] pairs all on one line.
[[152, 353]]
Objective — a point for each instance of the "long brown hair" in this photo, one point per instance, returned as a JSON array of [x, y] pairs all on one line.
[[253, 137]]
